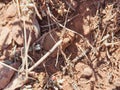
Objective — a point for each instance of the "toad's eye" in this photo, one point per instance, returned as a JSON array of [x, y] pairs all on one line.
[[37, 47]]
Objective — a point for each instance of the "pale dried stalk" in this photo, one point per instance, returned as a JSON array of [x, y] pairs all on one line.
[[18, 7], [84, 53], [25, 59], [73, 31], [58, 52], [8, 66], [46, 55], [64, 30], [55, 20], [37, 12], [110, 44], [104, 38], [35, 8], [26, 48], [48, 18], [79, 57], [68, 20]]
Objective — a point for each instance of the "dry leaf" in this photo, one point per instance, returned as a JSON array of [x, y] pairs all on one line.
[[6, 74], [17, 82]]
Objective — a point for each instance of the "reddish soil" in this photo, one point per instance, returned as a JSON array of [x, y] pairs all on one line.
[[88, 57]]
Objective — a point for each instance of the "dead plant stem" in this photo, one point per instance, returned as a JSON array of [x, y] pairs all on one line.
[[8, 66], [18, 7]]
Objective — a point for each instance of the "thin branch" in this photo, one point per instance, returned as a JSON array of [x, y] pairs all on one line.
[[18, 7], [8, 66]]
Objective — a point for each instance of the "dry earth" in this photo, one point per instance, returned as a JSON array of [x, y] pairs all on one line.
[[87, 59]]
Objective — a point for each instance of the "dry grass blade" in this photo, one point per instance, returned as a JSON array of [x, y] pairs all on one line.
[[18, 7], [26, 49], [8, 66], [81, 55]]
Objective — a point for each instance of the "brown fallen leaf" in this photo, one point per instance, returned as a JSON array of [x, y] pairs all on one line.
[[6, 74], [17, 82]]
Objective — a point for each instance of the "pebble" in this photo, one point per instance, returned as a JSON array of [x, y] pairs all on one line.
[[87, 72]]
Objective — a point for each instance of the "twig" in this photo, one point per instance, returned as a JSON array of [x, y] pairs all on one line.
[[84, 52], [18, 7], [71, 7], [55, 20], [48, 18], [104, 38], [36, 10], [110, 44], [81, 55], [8, 66], [45, 56], [112, 39], [64, 30], [26, 49], [73, 31], [107, 52], [58, 52], [25, 59], [68, 20]]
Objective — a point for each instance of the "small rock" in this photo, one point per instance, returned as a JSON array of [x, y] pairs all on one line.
[[87, 72], [79, 66], [11, 11], [117, 83], [5, 38], [66, 84], [1, 5]]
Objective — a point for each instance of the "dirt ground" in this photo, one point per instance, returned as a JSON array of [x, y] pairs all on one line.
[[59, 44]]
